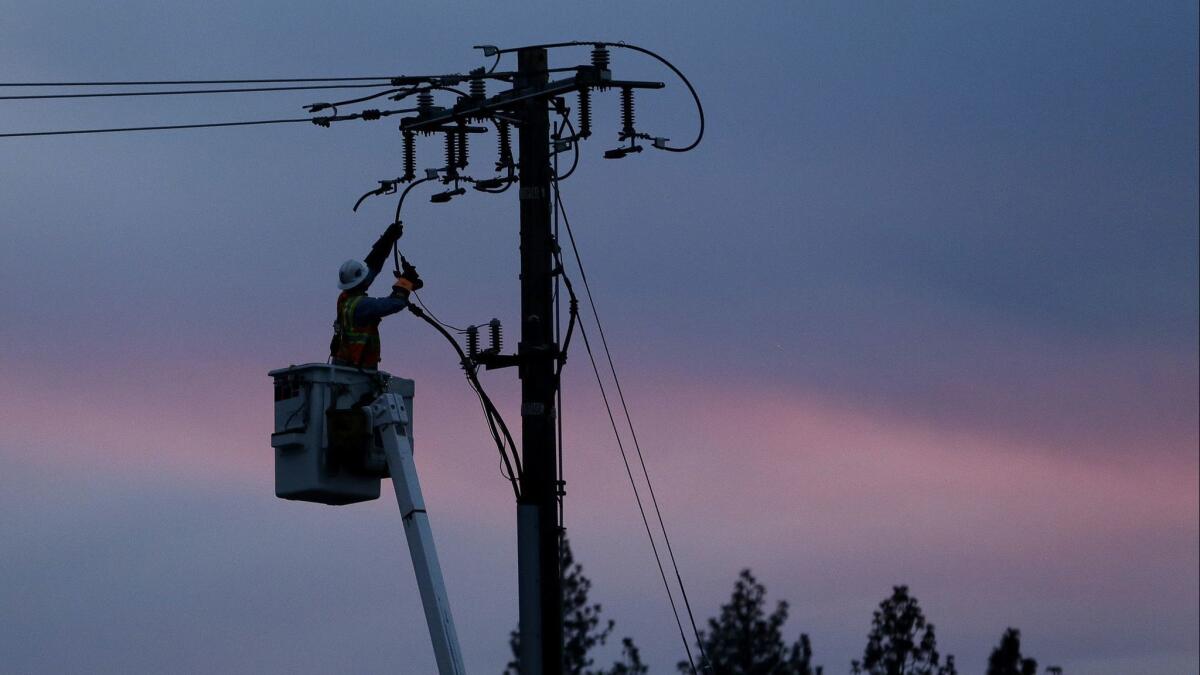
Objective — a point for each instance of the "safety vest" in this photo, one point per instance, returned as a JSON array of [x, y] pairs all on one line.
[[357, 343]]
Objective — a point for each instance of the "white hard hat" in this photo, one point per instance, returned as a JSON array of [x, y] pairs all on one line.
[[351, 274]]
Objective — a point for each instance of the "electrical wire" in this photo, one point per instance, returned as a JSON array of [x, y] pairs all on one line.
[[425, 307], [314, 107], [505, 471], [128, 83], [400, 205], [493, 416], [496, 425], [441, 87], [396, 257], [560, 479], [687, 83], [633, 434], [566, 118], [623, 45], [164, 127], [637, 496], [177, 92]]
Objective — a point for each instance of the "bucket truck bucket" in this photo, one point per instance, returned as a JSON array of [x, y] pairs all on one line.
[[325, 449]]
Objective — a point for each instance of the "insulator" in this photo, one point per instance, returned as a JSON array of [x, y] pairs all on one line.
[[472, 341], [495, 334], [600, 57], [451, 153], [410, 156], [478, 86], [504, 137], [424, 102], [627, 130], [585, 112], [463, 149]]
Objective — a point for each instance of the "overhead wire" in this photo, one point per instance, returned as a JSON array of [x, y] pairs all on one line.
[[560, 209], [490, 413], [178, 92], [641, 509], [396, 252], [428, 311], [495, 421], [162, 127], [687, 83], [137, 83], [624, 45], [314, 107]]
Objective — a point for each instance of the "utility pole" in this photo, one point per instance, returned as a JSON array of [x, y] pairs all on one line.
[[538, 536], [527, 105]]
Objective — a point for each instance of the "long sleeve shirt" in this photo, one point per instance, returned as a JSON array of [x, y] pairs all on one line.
[[371, 309]]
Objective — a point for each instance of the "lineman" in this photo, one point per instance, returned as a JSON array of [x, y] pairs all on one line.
[[356, 331]]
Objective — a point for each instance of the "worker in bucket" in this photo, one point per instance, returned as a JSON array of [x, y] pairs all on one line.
[[356, 332]]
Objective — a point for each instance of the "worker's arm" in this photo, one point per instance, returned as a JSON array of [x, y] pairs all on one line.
[[383, 246], [370, 309]]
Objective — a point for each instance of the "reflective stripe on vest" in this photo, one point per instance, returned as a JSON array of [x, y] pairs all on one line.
[[359, 343]]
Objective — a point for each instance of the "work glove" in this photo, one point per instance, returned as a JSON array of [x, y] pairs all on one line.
[[407, 280], [394, 232]]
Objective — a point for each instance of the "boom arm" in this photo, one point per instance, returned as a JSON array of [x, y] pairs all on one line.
[[389, 416]]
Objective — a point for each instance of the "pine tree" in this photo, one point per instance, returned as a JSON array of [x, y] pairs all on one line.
[[1006, 658], [744, 640], [583, 628], [901, 641]]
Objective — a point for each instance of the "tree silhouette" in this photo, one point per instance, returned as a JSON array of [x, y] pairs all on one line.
[[583, 629], [1006, 658], [744, 640], [901, 642]]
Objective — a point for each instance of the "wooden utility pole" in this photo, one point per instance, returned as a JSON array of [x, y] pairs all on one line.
[[538, 536]]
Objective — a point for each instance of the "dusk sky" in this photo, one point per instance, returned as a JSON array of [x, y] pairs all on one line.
[[921, 309]]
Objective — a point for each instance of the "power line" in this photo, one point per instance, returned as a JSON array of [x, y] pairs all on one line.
[[637, 497], [496, 424], [559, 209], [654, 55], [164, 127], [178, 92], [433, 316], [129, 83]]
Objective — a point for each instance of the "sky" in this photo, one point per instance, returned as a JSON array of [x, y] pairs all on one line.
[[921, 309]]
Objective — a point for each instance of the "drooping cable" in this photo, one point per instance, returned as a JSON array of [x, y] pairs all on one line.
[[623, 45], [416, 296], [687, 83], [633, 433], [400, 205], [396, 256], [495, 421], [493, 416]]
